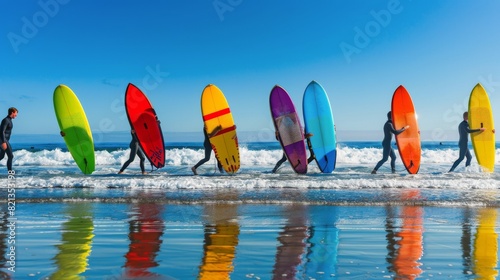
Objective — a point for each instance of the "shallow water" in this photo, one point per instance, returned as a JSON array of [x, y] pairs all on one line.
[[169, 224], [221, 239]]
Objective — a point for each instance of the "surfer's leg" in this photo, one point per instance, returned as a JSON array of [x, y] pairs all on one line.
[[142, 158], [131, 158], [460, 158], [469, 157], [279, 163], [10, 156], [393, 161], [208, 152], [311, 157], [219, 165], [385, 157]]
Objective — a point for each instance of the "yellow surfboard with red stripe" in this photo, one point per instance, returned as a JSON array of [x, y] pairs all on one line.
[[216, 111]]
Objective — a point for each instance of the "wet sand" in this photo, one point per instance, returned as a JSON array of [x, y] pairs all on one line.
[[230, 235]]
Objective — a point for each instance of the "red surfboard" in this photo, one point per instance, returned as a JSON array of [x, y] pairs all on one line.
[[143, 120], [403, 113]]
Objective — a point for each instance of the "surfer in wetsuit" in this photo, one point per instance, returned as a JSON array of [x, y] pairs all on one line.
[[208, 149], [5, 132], [309, 146], [283, 158], [386, 144], [464, 130], [134, 150]]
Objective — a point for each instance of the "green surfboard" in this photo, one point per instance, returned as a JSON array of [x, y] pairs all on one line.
[[73, 122]]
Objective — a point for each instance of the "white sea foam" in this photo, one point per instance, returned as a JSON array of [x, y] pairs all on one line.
[[56, 168], [186, 156]]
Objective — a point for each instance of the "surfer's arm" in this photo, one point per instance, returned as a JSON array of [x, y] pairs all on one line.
[[396, 132], [215, 131], [3, 127], [475, 130], [3, 139]]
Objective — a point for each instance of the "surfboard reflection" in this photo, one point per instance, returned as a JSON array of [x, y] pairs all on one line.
[[405, 247], [77, 234], [486, 245], [220, 241], [146, 229], [323, 242], [292, 243]]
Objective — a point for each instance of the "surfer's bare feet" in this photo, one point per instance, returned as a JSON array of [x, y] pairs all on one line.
[[374, 171], [194, 170], [144, 173], [120, 172]]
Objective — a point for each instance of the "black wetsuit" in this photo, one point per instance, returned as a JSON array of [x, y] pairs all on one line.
[[284, 158], [386, 145], [280, 162], [5, 131], [134, 150], [208, 151], [463, 141]]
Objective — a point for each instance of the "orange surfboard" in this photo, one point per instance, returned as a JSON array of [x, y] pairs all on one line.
[[403, 114]]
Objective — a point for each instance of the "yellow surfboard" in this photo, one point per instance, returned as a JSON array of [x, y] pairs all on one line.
[[221, 239], [481, 115], [215, 111]]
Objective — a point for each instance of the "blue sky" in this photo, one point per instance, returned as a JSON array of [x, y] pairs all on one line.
[[359, 51]]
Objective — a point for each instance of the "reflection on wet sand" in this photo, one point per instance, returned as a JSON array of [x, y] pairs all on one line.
[[292, 243], [486, 245], [77, 234], [407, 243], [220, 241], [465, 241], [146, 229], [323, 242], [390, 236]]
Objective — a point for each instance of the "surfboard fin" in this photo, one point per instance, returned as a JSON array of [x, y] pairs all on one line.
[[86, 165]]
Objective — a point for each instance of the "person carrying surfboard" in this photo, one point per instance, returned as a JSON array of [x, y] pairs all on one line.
[[5, 131], [463, 141], [283, 158], [386, 144], [208, 149], [135, 149]]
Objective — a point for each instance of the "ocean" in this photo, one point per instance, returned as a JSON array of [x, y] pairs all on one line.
[[57, 223], [40, 165]]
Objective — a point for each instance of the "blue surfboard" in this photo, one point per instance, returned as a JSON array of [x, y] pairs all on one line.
[[319, 122]]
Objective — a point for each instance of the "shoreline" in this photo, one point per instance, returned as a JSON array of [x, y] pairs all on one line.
[[231, 196]]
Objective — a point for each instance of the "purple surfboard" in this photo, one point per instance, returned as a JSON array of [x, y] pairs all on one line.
[[287, 123]]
